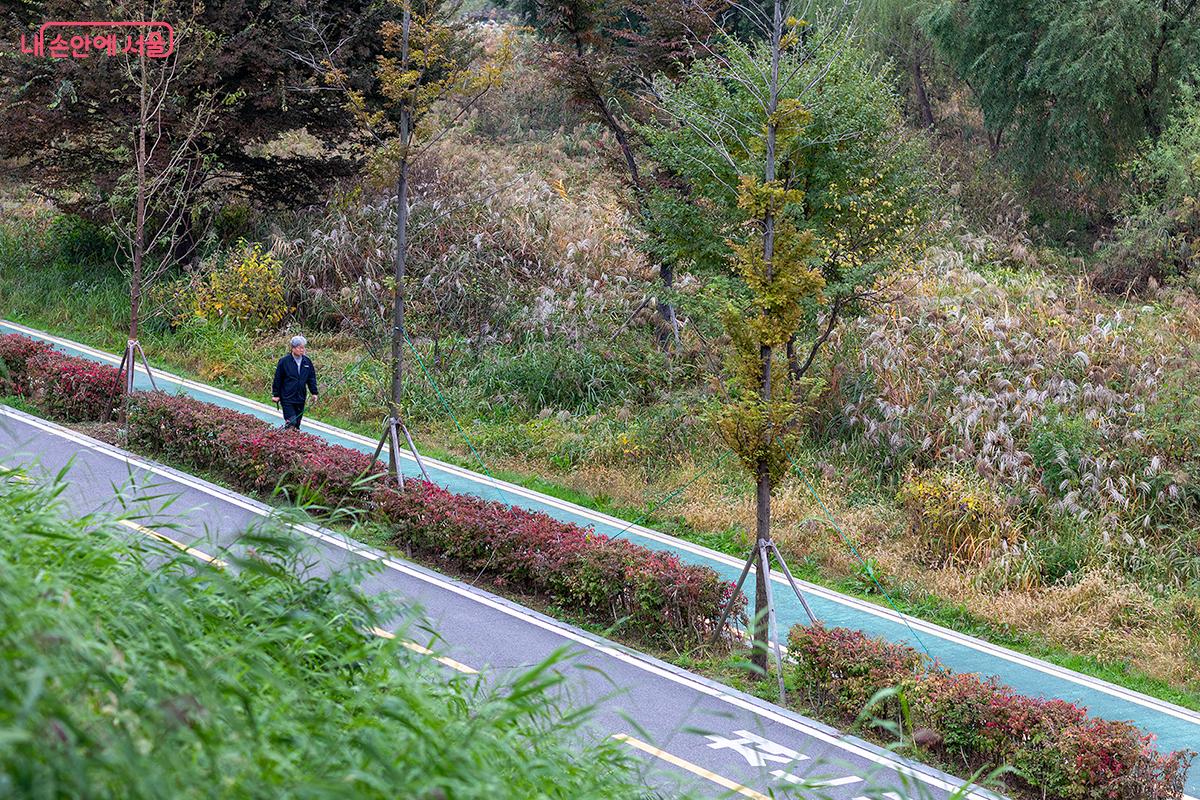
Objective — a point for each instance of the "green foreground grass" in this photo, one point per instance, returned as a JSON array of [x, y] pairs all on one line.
[[134, 677]]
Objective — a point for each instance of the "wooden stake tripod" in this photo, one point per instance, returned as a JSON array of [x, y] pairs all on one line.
[[128, 371], [761, 552], [393, 442]]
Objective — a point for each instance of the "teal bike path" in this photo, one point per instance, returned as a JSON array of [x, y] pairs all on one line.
[[1175, 727]]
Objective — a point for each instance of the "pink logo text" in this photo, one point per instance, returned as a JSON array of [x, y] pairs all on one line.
[[82, 39]]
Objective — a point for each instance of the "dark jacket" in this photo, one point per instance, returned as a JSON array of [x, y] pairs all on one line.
[[289, 383]]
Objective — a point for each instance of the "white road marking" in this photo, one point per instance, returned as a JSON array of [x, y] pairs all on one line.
[[755, 749], [695, 769], [918, 624], [632, 659], [816, 784]]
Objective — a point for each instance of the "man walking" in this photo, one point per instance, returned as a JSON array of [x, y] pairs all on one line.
[[294, 377]]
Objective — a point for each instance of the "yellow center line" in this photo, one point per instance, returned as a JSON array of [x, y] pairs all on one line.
[[416, 648], [200, 554], [695, 769], [142, 529]]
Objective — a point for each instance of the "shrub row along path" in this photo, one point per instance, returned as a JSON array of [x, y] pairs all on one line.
[[693, 734], [1175, 727]]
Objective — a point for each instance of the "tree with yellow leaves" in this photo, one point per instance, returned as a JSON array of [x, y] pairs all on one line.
[[434, 69], [795, 181]]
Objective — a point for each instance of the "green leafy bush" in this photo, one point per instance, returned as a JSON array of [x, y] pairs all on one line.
[[578, 380], [1057, 445], [956, 516], [241, 288], [1158, 236]]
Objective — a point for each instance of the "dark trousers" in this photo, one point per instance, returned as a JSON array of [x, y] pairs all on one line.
[[292, 412]]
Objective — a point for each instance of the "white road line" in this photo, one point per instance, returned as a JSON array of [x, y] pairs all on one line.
[[830, 595], [815, 784], [695, 769], [632, 659]]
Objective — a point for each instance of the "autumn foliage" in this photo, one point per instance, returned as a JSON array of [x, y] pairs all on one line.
[[1053, 747]]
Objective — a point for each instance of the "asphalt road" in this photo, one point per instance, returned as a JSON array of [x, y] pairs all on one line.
[[691, 733]]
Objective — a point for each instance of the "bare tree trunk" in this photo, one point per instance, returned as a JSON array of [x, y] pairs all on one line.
[[398, 335], [139, 253], [666, 272], [762, 533], [186, 246], [918, 81], [994, 141], [762, 526], [623, 142], [139, 241], [666, 311]]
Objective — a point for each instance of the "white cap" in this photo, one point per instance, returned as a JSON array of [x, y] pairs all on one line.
[[299, 341]]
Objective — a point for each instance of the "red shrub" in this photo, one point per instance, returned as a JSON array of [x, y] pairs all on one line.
[[1054, 747], [661, 598], [15, 352], [64, 387], [251, 452], [72, 389], [844, 668]]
